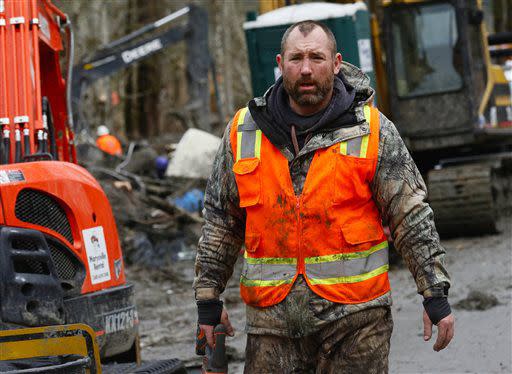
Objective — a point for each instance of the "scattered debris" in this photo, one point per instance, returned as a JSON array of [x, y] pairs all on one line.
[[123, 184], [142, 161], [478, 300], [194, 155], [158, 218], [192, 201]]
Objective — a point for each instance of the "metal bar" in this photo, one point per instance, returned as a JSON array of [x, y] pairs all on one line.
[[26, 141], [498, 53], [21, 61], [142, 30], [6, 149], [500, 38], [40, 139], [490, 84], [17, 145], [3, 63], [69, 77], [34, 28], [45, 142], [48, 120], [14, 81], [56, 10], [28, 90], [4, 110]]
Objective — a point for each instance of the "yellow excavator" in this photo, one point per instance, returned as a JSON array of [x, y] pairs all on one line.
[[445, 82]]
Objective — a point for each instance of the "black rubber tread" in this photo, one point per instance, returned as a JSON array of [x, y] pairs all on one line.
[[461, 172], [172, 366], [462, 199]]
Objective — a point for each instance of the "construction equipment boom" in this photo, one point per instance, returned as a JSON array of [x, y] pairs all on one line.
[[143, 43]]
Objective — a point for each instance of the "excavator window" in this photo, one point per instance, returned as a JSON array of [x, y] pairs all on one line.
[[426, 51]]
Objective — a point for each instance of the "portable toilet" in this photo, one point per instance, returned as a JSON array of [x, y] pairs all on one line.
[[350, 24]]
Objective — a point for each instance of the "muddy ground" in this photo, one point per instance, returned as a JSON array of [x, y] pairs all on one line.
[[481, 271]]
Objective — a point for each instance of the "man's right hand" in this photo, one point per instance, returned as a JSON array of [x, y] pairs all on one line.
[[445, 331], [208, 329]]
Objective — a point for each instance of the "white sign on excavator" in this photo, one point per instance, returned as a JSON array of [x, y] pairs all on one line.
[[97, 256]]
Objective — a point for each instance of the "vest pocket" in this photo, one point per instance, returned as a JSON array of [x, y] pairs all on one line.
[[252, 241], [362, 231], [352, 176], [248, 180]]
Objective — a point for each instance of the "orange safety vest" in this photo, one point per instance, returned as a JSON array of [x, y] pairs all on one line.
[[109, 144], [331, 233]]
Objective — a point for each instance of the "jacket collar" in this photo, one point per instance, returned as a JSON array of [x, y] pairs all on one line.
[[364, 94]]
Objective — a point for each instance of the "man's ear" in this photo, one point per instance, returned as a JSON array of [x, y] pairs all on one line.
[[337, 63], [279, 60]]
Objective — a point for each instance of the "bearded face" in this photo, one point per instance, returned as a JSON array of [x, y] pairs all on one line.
[[308, 66], [307, 91]]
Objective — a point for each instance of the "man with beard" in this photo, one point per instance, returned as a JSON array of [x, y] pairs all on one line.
[[304, 177]]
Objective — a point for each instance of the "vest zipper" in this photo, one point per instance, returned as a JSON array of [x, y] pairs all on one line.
[[300, 260]]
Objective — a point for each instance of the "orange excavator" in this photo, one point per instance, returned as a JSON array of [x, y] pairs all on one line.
[[60, 257]]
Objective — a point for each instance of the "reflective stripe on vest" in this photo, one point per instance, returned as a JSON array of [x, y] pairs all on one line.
[[248, 137], [348, 267], [357, 147], [263, 272]]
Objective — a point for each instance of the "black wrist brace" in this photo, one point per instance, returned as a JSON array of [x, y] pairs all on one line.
[[437, 308], [209, 312]]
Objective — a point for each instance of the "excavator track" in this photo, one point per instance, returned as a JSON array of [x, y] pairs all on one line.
[[472, 199]]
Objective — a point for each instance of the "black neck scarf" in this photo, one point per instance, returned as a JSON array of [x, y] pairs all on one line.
[[278, 118]]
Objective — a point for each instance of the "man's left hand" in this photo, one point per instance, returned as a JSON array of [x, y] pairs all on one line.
[[445, 331]]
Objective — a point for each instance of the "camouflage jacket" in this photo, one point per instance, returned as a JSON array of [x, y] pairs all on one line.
[[398, 191]]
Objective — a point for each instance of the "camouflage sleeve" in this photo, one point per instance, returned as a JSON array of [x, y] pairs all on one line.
[[400, 194], [223, 231]]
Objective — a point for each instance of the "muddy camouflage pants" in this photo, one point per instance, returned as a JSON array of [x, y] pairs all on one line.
[[357, 343]]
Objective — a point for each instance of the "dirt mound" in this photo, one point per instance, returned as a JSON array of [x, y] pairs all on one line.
[[478, 300]]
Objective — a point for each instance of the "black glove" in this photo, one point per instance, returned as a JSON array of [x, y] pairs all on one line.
[[209, 312], [437, 308]]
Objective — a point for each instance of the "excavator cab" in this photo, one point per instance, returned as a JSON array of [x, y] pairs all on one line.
[[436, 68], [452, 105]]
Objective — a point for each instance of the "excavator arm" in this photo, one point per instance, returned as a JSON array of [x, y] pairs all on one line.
[[130, 49]]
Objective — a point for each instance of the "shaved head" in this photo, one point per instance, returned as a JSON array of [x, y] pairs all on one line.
[[305, 28], [308, 65]]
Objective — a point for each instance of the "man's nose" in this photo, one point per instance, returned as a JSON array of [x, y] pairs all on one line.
[[306, 67]]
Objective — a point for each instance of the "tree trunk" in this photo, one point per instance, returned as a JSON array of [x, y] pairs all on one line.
[[130, 112]]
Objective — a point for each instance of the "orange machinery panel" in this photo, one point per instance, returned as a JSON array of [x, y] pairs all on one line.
[[85, 205], [30, 43]]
